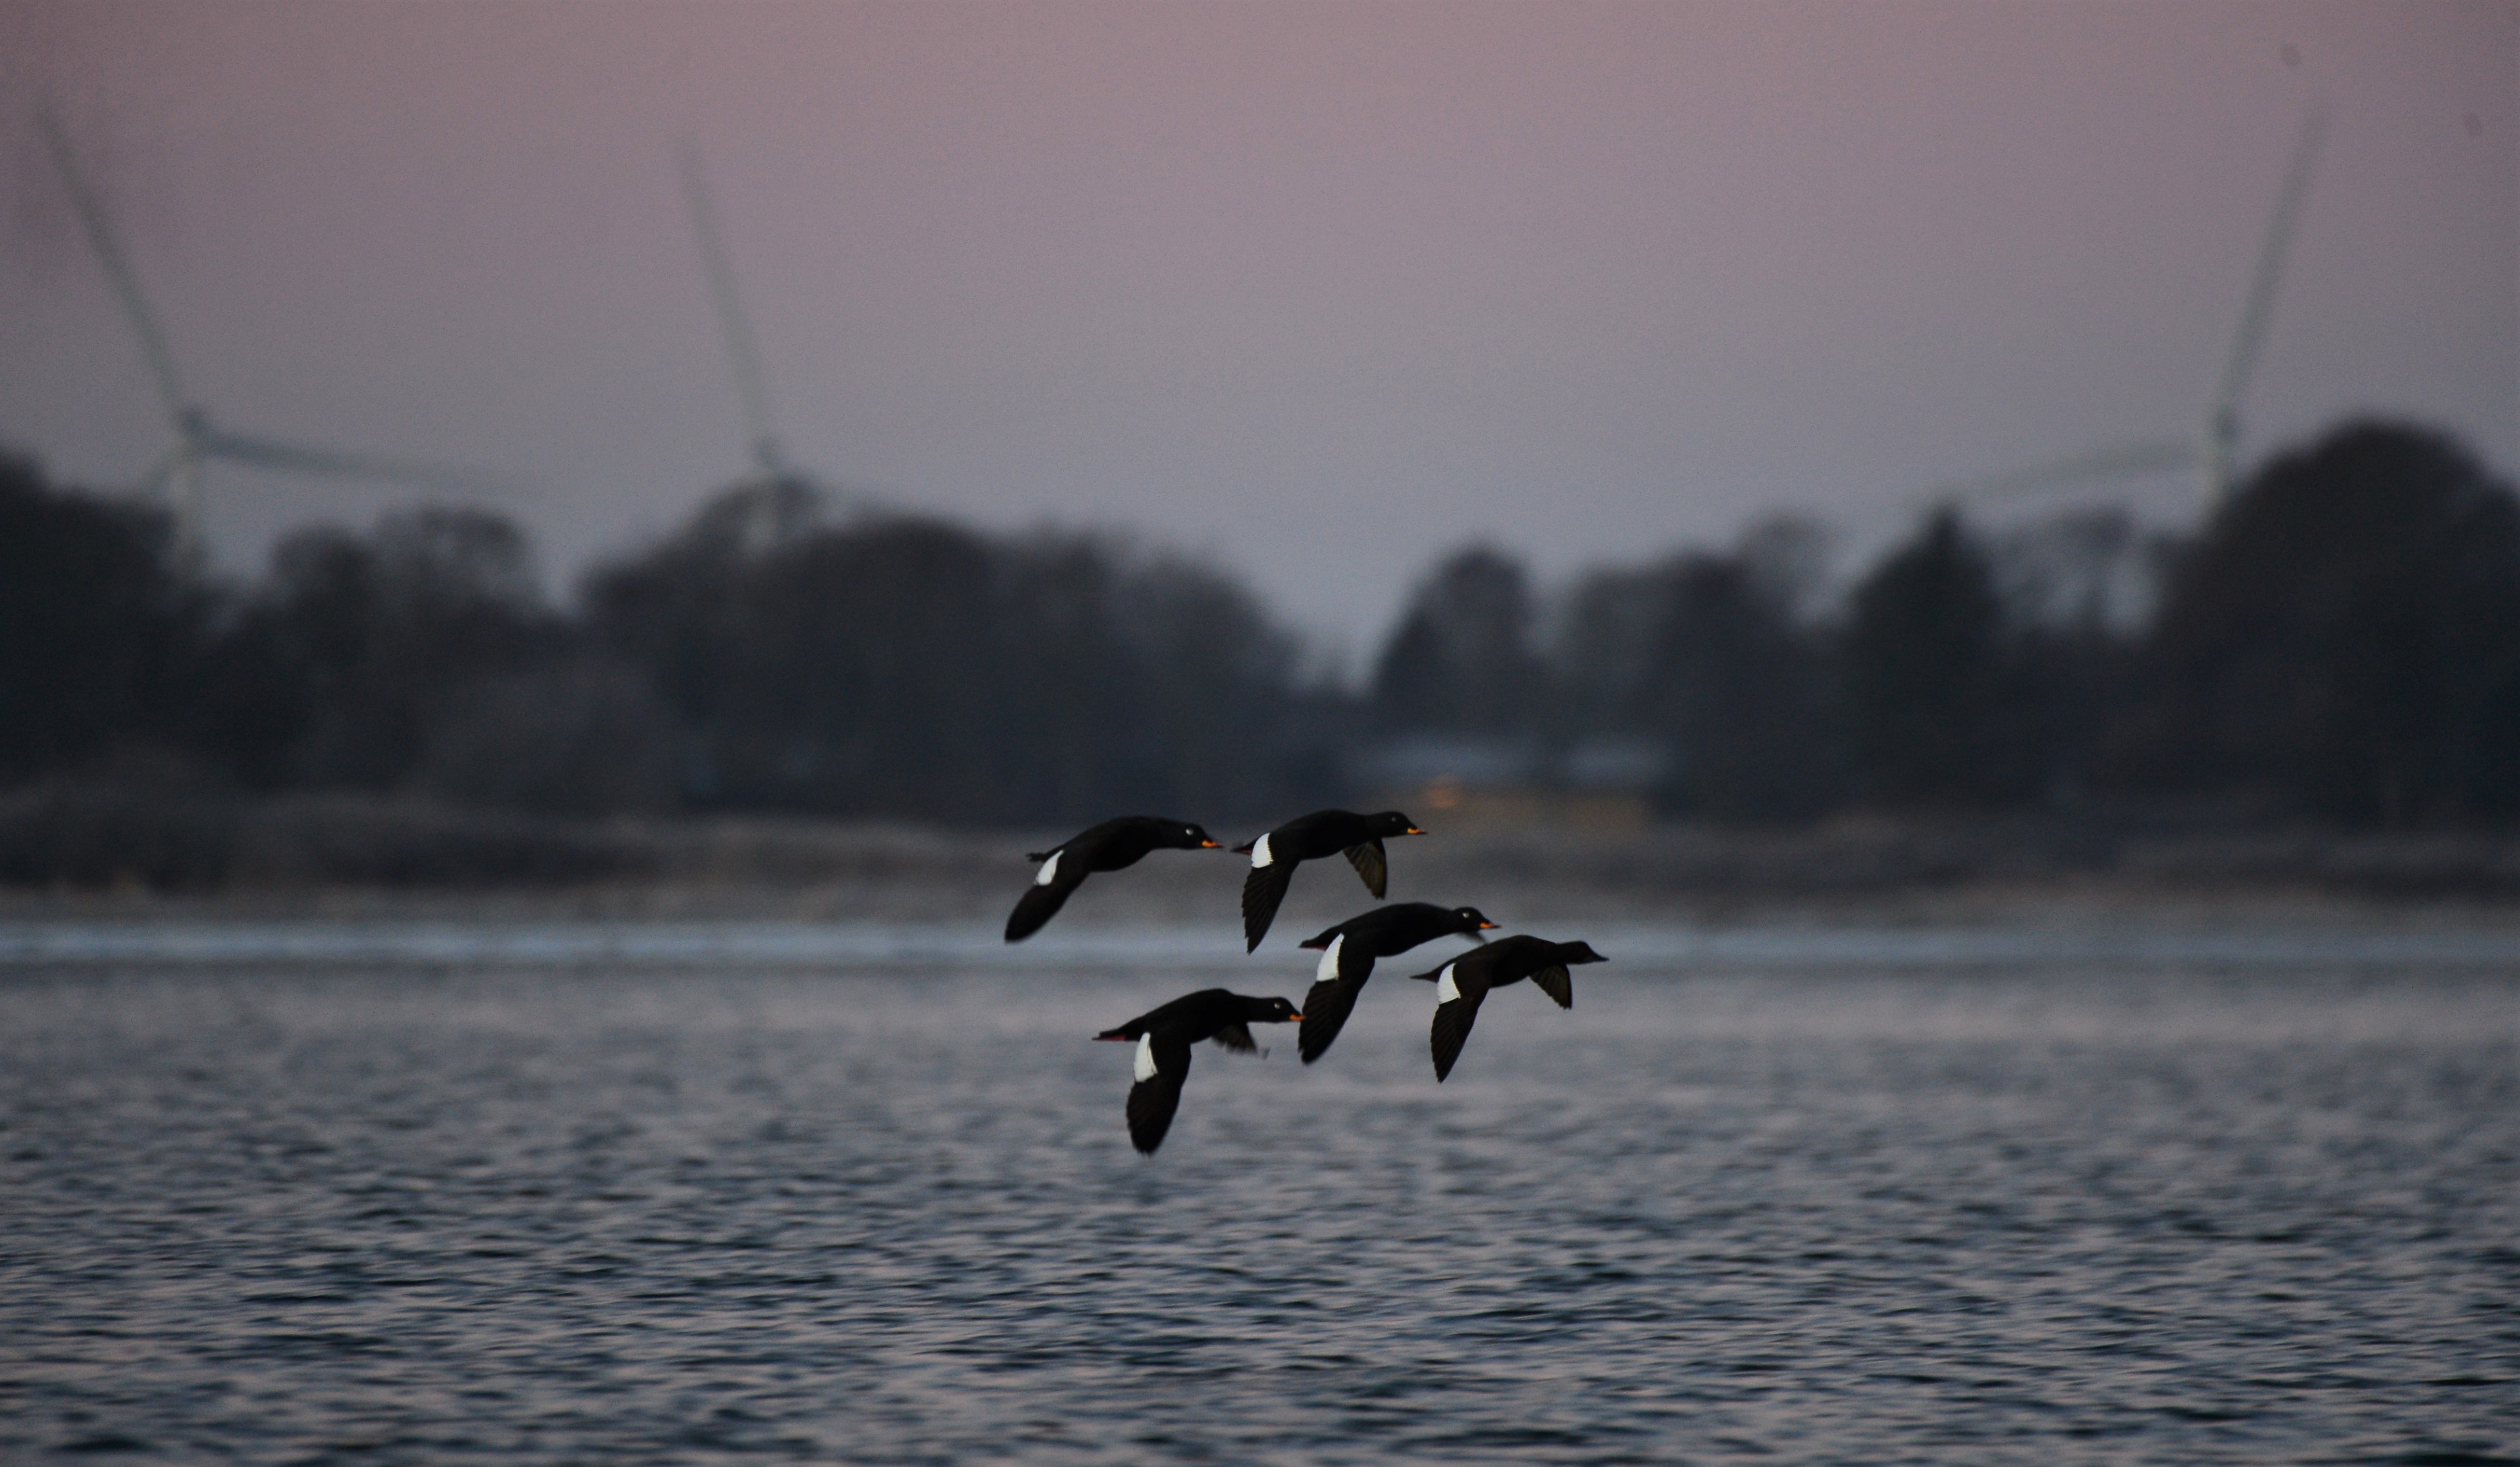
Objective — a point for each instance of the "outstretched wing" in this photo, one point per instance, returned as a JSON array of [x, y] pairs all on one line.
[[1063, 871], [1039, 905], [1368, 860], [1163, 1063], [1238, 1038], [1261, 891], [1327, 1006], [1453, 1021], [1556, 984]]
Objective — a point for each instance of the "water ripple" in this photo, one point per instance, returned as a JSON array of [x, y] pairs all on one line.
[[886, 1211]]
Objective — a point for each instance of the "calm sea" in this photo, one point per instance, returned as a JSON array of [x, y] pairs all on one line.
[[575, 1194]]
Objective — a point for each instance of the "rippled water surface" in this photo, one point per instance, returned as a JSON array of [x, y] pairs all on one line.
[[877, 1204]]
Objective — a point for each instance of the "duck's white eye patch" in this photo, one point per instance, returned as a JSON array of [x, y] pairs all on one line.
[[1146, 1067], [1049, 870], [1445, 990], [1260, 855], [1329, 961]]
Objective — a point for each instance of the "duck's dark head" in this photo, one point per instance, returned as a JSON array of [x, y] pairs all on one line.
[[1269, 1011], [1469, 919], [1393, 823], [1190, 838], [1578, 952]]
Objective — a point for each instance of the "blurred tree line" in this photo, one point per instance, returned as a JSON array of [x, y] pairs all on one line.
[[2339, 643], [882, 666]]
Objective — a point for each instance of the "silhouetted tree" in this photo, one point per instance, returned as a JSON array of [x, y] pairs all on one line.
[[2341, 642], [1604, 654], [1217, 723], [355, 644], [864, 676], [1621, 650], [1732, 686], [2072, 585], [906, 666], [1462, 660], [1931, 709], [671, 611], [2344, 639], [98, 633], [1066, 676]]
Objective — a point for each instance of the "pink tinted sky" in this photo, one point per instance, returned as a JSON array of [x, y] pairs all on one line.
[[1320, 291]]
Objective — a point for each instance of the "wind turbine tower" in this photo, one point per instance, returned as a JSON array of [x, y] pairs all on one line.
[[2220, 449], [776, 501]]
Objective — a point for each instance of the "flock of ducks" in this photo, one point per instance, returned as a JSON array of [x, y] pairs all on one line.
[[1164, 1035]]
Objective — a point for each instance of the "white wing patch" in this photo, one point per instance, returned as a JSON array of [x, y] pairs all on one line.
[[1329, 961], [1146, 1068], [1447, 990], [1260, 855], [1049, 870]]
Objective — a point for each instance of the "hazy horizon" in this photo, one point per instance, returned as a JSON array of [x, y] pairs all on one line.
[[1320, 292]]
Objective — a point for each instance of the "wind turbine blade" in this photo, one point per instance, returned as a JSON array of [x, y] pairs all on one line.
[[184, 495], [2103, 464], [740, 351], [117, 271], [299, 458], [2258, 309]]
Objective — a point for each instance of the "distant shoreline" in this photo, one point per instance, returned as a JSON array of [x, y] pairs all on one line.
[[98, 853]]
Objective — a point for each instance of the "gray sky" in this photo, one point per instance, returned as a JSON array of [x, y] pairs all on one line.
[[1320, 291]]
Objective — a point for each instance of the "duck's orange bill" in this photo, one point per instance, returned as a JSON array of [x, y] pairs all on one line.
[[1487, 925], [1207, 846], [1413, 831]]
